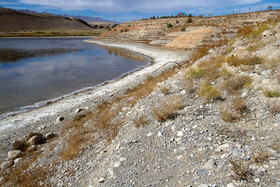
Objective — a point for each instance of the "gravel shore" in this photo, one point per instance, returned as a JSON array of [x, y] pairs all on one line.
[[43, 119]]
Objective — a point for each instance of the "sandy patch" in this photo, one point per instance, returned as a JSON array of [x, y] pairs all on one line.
[[190, 39]]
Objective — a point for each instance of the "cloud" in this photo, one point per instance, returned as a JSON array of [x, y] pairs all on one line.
[[144, 6]]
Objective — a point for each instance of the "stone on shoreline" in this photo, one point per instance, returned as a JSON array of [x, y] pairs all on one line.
[[13, 154]]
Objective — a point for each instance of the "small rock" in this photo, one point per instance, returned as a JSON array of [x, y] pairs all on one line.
[[117, 164], [150, 134], [230, 185], [50, 135], [32, 148], [13, 154], [222, 148], [203, 185], [202, 172], [159, 134], [7, 164], [180, 133], [180, 157], [257, 180], [235, 153], [17, 160], [101, 180], [78, 110], [59, 119], [210, 164], [122, 159], [42, 127]]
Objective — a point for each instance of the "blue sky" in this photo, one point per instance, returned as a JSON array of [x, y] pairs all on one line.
[[127, 10]]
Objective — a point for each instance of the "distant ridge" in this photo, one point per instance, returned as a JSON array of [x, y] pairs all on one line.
[[13, 20], [84, 18]]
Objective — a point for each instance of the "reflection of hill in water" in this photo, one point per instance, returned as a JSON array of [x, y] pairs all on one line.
[[13, 55], [125, 53]]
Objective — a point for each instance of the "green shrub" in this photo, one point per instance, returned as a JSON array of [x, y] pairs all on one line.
[[189, 20], [183, 29], [271, 93], [169, 25], [209, 92], [197, 73]]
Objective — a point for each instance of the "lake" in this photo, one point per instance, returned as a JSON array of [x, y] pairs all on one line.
[[33, 70]]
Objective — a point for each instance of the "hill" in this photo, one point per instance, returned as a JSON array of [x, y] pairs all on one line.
[[12, 20]]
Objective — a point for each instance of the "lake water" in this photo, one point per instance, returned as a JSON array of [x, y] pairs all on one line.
[[39, 69]]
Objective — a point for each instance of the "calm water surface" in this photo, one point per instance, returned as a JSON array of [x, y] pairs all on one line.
[[40, 69]]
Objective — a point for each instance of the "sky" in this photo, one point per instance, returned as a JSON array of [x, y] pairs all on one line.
[[128, 10]]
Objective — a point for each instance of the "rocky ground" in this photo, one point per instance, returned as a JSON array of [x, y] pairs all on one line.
[[213, 121]]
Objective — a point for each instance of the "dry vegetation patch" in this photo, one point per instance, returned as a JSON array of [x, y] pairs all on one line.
[[167, 109], [236, 83], [207, 91]]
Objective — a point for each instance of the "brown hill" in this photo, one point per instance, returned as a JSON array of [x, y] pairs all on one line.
[[12, 20]]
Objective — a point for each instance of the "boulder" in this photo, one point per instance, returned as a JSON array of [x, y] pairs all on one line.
[[35, 140], [13, 154], [32, 148], [50, 135], [7, 164]]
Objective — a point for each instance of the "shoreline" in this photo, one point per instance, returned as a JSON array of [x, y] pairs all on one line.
[[44, 118]]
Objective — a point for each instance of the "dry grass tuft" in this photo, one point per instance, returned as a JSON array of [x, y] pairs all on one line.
[[236, 83], [165, 90], [211, 67], [167, 109], [199, 53], [228, 116], [249, 61], [225, 73], [241, 170], [209, 92]]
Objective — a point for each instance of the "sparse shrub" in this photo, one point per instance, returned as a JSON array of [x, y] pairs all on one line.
[[225, 73], [183, 29], [271, 93], [169, 25], [236, 83], [241, 170], [197, 73], [167, 108], [121, 30], [177, 22], [20, 145], [109, 29], [261, 157], [126, 30], [188, 85], [189, 20], [165, 90], [228, 116], [211, 67], [239, 105], [275, 108], [140, 122], [199, 53], [209, 92]]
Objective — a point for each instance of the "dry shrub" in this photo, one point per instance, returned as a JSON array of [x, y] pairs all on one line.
[[241, 170], [188, 85], [211, 67], [209, 92], [261, 157], [23, 176], [236, 83], [228, 116], [231, 133], [20, 145], [245, 31], [167, 109], [165, 90], [141, 121], [276, 145], [199, 53], [249, 61], [239, 105]]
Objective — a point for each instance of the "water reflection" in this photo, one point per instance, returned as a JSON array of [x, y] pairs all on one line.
[[125, 53], [44, 77]]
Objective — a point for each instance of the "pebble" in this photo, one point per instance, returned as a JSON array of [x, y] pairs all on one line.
[[117, 164], [159, 134], [257, 180], [230, 185], [210, 164], [180, 133], [235, 153], [13, 154], [222, 148]]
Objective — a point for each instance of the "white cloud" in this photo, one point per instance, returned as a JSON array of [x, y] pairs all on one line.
[[139, 5]]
